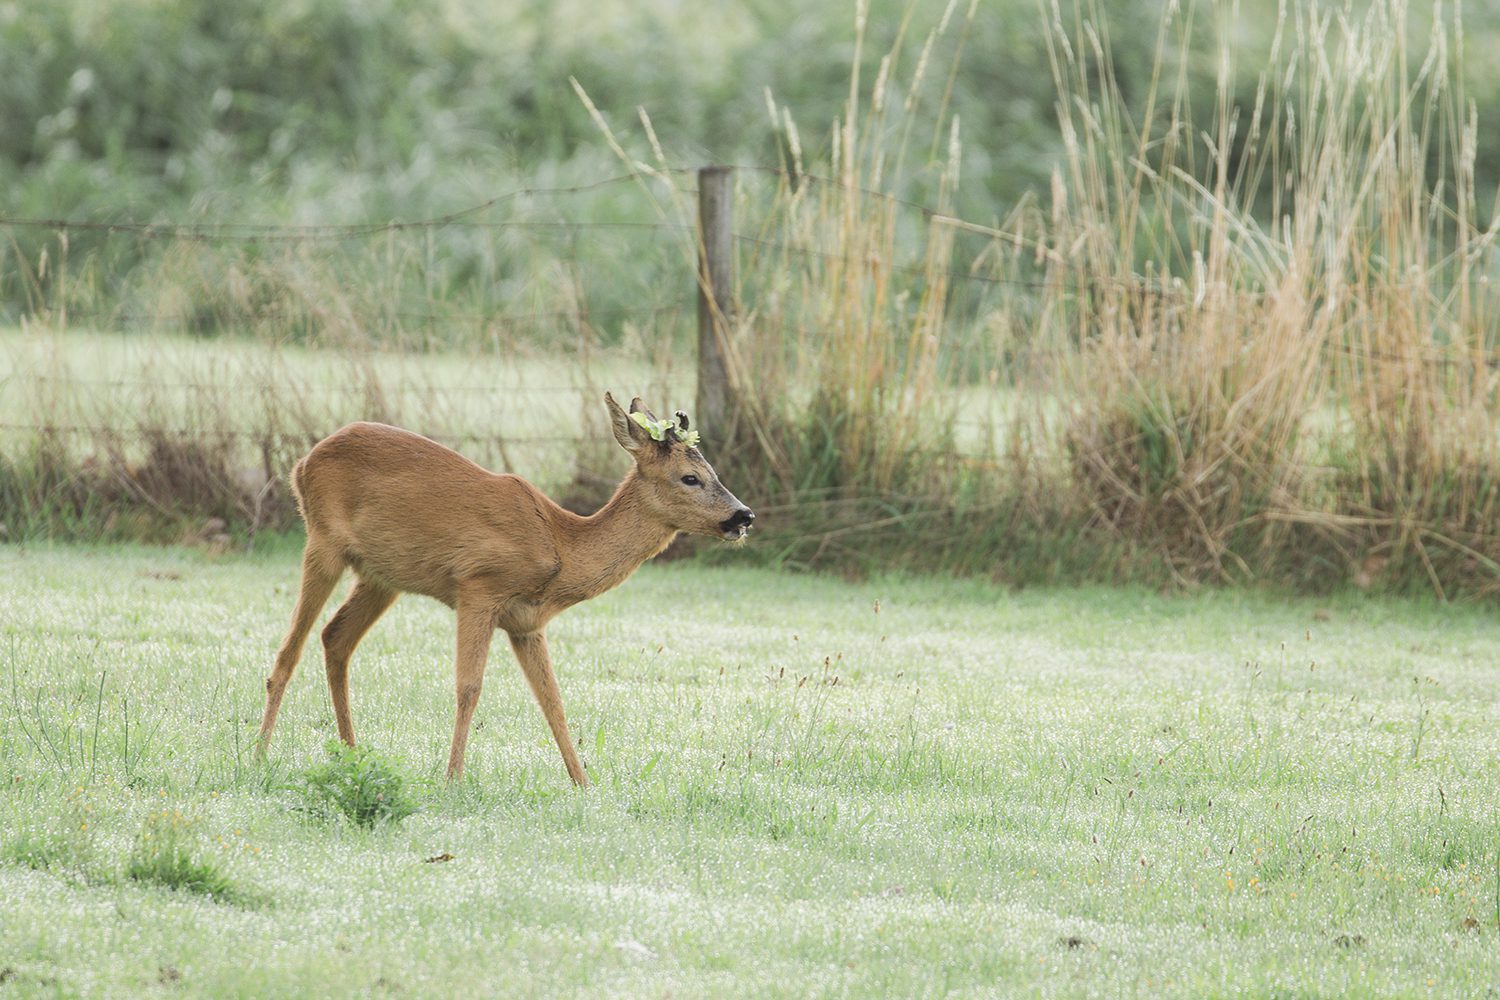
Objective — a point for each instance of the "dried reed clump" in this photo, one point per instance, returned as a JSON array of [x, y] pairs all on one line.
[[161, 485], [1187, 424], [1418, 479], [852, 303], [1268, 333]]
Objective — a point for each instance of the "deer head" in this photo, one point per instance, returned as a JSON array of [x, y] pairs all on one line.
[[677, 483]]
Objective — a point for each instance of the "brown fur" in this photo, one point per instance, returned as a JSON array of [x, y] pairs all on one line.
[[411, 516]]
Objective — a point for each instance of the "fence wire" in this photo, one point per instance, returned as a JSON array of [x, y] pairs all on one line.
[[1171, 294]]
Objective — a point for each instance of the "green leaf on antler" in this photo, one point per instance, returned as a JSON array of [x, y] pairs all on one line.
[[656, 428], [659, 429]]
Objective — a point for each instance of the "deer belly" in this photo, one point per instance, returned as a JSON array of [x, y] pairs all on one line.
[[519, 617], [406, 575]]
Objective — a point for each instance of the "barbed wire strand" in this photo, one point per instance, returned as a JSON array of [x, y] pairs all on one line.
[[262, 230]]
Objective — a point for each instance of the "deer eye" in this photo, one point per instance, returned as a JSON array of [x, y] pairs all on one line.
[[691, 481]]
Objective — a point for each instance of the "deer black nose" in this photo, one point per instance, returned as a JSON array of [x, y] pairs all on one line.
[[742, 518]]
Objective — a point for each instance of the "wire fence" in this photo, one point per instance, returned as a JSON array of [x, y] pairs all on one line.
[[429, 292], [1182, 291], [516, 320], [144, 400], [258, 231]]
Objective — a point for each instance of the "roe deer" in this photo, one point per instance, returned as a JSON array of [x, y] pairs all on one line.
[[409, 515]]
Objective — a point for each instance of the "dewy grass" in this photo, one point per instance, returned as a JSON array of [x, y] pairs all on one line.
[[861, 789], [168, 853], [64, 846], [355, 783]]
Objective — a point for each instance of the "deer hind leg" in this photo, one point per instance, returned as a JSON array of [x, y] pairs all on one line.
[[536, 664], [320, 572], [476, 626], [366, 603]]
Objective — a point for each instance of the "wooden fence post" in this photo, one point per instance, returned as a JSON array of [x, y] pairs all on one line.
[[715, 301]]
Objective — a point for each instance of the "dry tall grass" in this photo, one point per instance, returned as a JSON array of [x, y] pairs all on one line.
[[1246, 341], [1269, 332]]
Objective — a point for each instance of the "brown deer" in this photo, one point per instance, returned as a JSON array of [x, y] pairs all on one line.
[[409, 515]]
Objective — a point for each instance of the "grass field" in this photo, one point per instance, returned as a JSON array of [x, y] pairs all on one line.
[[1051, 792]]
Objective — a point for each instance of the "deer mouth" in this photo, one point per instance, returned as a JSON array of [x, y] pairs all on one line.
[[737, 526]]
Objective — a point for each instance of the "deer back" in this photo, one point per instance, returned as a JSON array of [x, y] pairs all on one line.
[[416, 516]]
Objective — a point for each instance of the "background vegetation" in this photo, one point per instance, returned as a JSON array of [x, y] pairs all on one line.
[[1158, 293], [332, 110]]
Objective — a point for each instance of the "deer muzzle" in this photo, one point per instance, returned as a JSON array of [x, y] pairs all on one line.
[[737, 524]]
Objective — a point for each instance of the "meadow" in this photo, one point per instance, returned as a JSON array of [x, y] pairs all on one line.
[[802, 787], [1195, 301]]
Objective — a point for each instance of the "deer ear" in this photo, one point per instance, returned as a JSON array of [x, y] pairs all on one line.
[[627, 432], [636, 406]]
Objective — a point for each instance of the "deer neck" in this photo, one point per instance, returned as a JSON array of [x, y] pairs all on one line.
[[608, 546]]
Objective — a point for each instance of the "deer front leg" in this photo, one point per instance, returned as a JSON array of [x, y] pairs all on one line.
[[476, 624], [536, 664]]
